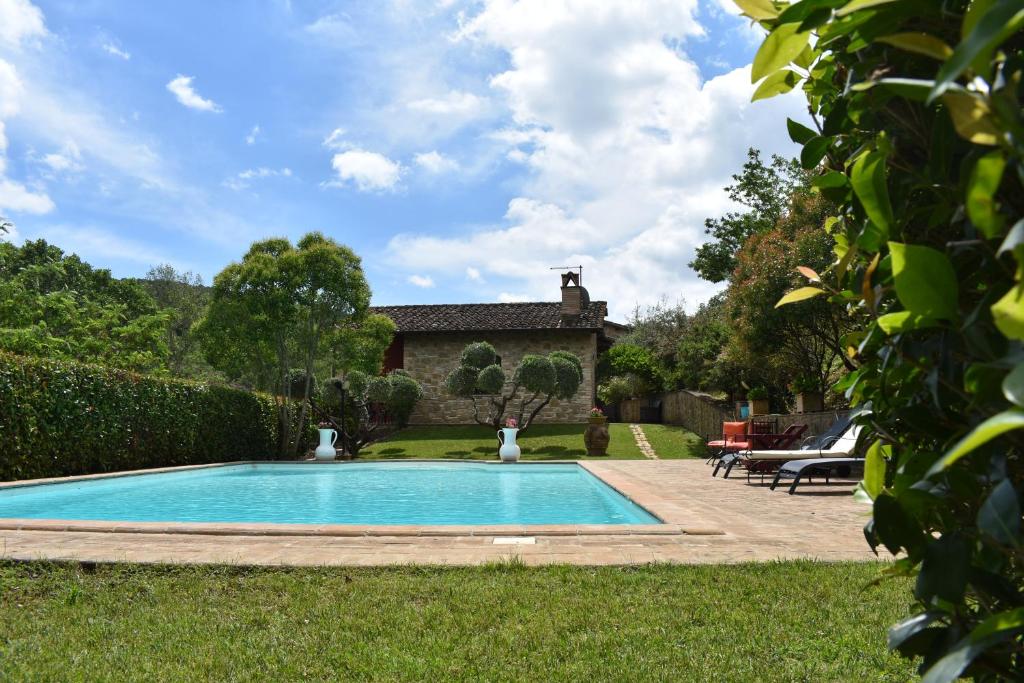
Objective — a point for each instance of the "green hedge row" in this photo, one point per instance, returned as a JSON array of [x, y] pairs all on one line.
[[59, 418]]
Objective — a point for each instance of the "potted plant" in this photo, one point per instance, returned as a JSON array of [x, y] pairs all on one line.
[[328, 436], [809, 398], [509, 450], [596, 436], [758, 400]]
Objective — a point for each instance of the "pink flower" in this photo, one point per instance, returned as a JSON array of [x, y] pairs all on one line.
[[511, 423]]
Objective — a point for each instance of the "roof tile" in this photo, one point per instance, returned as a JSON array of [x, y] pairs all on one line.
[[538, 315]]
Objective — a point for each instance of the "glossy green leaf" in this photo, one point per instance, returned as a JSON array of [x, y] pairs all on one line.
[[909, 88], [781, 47], [758, 9], [904, 321], [799, 11], [814, 151], [869, 184], [778, 83], [999, 516], [799, 133], [1001, 21], [994, 427], [919, 43], [982, 187], [832, 179], [1008, 312], [874, 470], [856, 5], [895, 528], [800, 294], [971, 118], [1014, 240], [926, 283], [1013, 385], [994, 629]]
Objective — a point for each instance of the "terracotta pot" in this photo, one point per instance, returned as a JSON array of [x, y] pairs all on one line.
[[758, 406], [596, 437], [810, 402]]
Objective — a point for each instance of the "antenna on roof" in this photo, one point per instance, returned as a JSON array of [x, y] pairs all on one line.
[[571, 268]]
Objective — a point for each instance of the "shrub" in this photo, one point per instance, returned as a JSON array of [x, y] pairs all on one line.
[[60, 418], [757, 394], [479, 355], [918, 141]]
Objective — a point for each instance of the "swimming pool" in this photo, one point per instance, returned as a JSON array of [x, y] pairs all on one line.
[[423, 493]]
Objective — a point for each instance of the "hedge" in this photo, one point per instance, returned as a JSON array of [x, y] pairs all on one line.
[[59, 418]]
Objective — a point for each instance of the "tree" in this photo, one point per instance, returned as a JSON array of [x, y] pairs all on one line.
[[184, 298], [6, 226], [357, 405], [55, 305], [536, 381], [765, 191], [699, 351], [919, 131], [280, 308]]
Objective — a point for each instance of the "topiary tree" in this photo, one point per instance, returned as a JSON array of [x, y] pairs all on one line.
[[919, 140], [534, 383], [357, 404]]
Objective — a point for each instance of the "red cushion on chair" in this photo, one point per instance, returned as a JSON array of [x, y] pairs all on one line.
[[738, 446]]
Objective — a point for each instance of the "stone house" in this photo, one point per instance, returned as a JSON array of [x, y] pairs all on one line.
[[430, 339]]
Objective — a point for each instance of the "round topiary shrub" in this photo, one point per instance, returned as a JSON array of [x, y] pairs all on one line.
[[571, 357], [405, 392], [536, 374], [491, 379], [461, 381], [479, 355], [567, 376]]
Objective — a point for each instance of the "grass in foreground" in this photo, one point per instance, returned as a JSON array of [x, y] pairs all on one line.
[[673, 441], [474, 442], [763, 622]]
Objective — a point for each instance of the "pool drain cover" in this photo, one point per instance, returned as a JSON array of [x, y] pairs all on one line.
[[514, 540]]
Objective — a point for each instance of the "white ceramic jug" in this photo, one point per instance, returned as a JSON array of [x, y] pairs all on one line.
[[325, 451], [509, 451]]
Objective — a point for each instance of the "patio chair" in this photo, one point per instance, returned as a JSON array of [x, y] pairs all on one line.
[[774, 442], [778, 456], [734, 439], [842, 447], [822, 467]]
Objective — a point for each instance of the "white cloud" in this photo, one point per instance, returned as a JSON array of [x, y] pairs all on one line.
[[254, 133], [625, 145], [20, 22], [453, 103], [336, 140], [421, 281], [67, 160], [16, 197], [181, 87], [474, 274], [435, 162], [97, 245], [112, 48], [242, 180], [369, 171]]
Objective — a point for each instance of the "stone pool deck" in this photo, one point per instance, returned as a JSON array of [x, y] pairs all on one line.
[[708, 520]]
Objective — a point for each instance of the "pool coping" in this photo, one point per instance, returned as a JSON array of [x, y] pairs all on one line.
[[672, 517]]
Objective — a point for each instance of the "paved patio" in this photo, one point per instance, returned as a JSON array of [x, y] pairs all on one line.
[[707, 521]]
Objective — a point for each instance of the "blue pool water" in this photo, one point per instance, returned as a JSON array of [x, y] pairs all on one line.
[[357, 493]]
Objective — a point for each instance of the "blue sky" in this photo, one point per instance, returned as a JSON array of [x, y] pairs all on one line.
[[461, 148]]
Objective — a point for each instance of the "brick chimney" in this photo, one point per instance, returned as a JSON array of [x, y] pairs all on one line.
[[574, 298]]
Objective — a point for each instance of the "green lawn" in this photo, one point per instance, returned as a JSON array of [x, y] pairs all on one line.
[[755, 622], [541, 442], [673, 441]]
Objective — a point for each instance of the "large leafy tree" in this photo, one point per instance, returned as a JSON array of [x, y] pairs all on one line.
[[182, 296], [54, 304], [281, 308], [918, 126], [764, 190]]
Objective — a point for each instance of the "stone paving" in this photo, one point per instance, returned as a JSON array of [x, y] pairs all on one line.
[[707, 521], [642, 443]]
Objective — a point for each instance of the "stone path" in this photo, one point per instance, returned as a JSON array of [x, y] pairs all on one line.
[[708, 520], [642, 443]]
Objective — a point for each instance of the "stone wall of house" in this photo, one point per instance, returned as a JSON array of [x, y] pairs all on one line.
[[429, 357]]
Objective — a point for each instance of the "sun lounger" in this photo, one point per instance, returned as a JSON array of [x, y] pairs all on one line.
[[831, 444], [799, 469]]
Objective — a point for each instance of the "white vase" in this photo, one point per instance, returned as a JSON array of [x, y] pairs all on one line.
[[509, 451], [325, 451]]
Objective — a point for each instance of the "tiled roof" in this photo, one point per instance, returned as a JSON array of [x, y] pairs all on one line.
[[540, 315]]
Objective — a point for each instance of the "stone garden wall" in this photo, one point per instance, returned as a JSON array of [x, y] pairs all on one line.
[[429, 357], [704, 417]]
